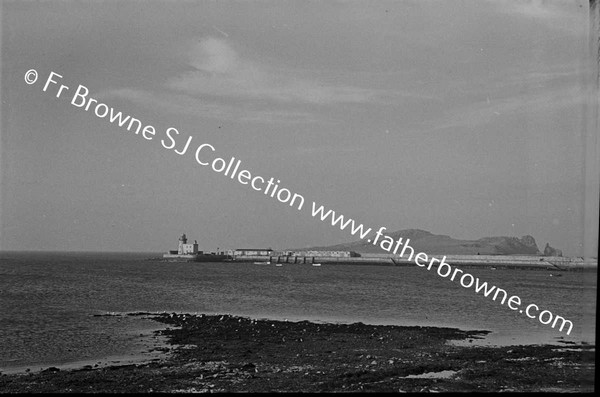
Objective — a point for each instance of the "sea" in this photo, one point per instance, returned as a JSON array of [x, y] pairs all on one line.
[[69, 308]]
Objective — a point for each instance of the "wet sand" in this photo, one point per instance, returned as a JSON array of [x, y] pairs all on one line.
[[221, 353]]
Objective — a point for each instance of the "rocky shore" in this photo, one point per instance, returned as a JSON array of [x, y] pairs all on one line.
[[222, 353]]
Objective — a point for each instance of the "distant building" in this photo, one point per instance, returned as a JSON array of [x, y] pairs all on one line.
[[333, 254], [316, 253], [185, 248], [190, 253], [282, 253], [253, 252]]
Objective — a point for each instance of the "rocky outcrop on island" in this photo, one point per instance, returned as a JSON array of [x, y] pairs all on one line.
[[550, 251], [424, 241]]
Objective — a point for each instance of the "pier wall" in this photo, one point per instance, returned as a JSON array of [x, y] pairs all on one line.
[[512, 261]]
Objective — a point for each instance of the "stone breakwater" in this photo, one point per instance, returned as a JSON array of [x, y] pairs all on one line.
[[508, 261]]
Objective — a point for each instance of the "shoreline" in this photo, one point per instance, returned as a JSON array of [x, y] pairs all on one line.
[[144, 344], [233, 353], [157, 345]]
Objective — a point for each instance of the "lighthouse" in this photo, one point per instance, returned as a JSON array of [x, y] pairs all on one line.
[[188, 252], [185, 248], [182, 242]]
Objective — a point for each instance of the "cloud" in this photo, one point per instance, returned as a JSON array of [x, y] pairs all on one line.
[[538, 9], [489, 110], [557, 14], [214, 56], [185, 104], [221, 72], [226, 85]]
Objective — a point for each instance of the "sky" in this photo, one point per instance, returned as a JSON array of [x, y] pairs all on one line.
[[463, 118]]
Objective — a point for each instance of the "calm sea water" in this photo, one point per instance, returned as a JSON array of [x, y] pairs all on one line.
[[48, 301]]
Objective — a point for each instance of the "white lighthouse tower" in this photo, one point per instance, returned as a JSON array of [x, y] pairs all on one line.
[[182, 242]]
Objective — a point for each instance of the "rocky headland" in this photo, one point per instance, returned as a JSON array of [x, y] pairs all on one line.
[[437, 244]]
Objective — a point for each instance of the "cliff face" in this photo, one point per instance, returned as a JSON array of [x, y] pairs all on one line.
[[549, 251], [424, 241]]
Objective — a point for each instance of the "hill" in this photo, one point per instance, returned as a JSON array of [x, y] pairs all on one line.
[[424, 241]]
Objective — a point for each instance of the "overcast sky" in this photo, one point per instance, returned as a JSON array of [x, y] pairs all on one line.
[[465, 118]]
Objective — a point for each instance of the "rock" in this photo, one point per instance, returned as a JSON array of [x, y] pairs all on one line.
[[529, 241], [549, 251], [249, 366], [51, 369]]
